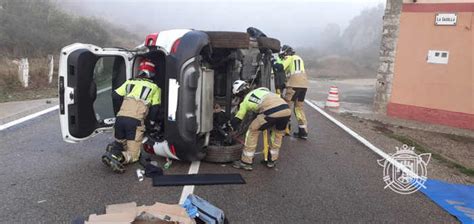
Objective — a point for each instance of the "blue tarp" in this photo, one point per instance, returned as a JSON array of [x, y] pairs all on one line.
[[457, 199]]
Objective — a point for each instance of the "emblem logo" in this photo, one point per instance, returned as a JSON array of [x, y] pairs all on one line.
[[399, 181]]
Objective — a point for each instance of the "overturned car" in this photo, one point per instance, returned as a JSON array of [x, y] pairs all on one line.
[[195, 70]]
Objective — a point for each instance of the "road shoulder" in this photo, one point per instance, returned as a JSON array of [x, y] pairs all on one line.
[[11, 111], [452, 154]]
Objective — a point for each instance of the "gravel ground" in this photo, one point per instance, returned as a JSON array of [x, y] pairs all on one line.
[[455, 148]]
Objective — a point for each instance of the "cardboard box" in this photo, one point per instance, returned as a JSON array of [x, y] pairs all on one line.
[[159, 213]]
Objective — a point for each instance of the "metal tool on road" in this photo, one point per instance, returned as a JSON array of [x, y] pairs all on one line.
[[265, 145]]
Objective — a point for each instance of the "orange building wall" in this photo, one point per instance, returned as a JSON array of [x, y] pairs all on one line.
[[437, 93]]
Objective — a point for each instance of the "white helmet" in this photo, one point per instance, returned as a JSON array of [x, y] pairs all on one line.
[[238, 86]]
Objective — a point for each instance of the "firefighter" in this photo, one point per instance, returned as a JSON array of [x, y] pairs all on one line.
[[296, 87], [279, 74], [136, 101], [273, 112]]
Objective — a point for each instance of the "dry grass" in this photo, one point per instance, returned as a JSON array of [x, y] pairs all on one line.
[[11, 88]]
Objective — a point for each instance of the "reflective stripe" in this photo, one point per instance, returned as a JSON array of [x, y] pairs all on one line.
[[145, 92], [302, 126], [297, 65], [251, 146], [130, 88], [249, 154]]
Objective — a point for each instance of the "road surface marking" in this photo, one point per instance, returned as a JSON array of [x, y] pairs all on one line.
[[364, 141], [189, 189], [29, 117], [104, 90], [37, 114]]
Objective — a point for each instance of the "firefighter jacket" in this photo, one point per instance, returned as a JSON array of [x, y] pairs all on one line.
[[140, 97], [260, 100], [295, 72]]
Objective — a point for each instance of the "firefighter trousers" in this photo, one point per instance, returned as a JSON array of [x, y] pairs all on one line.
[[129, 132], [276, 122], [295, 99]]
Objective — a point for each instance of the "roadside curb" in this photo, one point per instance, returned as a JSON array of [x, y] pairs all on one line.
[[415, 125]]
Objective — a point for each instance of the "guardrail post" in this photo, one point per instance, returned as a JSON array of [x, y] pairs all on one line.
[[50, 68], [23, 72]]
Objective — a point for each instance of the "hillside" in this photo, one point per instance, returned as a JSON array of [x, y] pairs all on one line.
[[352, 53], [37, 27], [34, 29]]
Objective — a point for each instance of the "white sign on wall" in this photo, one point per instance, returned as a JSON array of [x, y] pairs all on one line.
[[438, 57], [446, 19]]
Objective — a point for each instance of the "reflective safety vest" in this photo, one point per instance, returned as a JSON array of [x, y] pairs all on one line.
[[251, 101], [259, 100], [293, 64], [139, 95], [294, 69], [278, 60], [141, 89]]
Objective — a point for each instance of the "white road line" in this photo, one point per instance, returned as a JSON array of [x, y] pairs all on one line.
[[37, 114], [189, 189], [104, 89], [29, 117], [364, 141]]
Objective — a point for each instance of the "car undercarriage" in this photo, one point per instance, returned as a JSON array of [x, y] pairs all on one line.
[[195, 72]]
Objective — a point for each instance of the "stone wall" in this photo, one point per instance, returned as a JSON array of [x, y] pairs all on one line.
[[388, 47]]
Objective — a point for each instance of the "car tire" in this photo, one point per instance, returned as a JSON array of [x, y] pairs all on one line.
[[269, 43], [223, 154], [229, 39]]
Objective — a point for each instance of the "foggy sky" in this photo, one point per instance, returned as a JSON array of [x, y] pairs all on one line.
[[296, 23]]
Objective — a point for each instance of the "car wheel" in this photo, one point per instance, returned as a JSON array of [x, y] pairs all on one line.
[[190, 157], [229, 39], [223, 154], [269, 43]]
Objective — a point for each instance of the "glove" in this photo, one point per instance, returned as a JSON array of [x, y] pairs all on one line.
[[235, 123]]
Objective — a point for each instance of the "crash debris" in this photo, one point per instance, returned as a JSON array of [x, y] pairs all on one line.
[[194, 210]]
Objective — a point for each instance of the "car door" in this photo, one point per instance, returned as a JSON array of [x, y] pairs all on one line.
[[87, 76]]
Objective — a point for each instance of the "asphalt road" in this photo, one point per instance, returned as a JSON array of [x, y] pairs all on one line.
[[355, 95], [329, 178]]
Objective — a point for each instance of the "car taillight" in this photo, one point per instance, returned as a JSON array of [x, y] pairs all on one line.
[[148, 149], [174, 48]]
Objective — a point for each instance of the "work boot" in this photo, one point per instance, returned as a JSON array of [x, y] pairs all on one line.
[[271, 164], [117, 146], [114, 159], [301, 134], [241, 165]]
